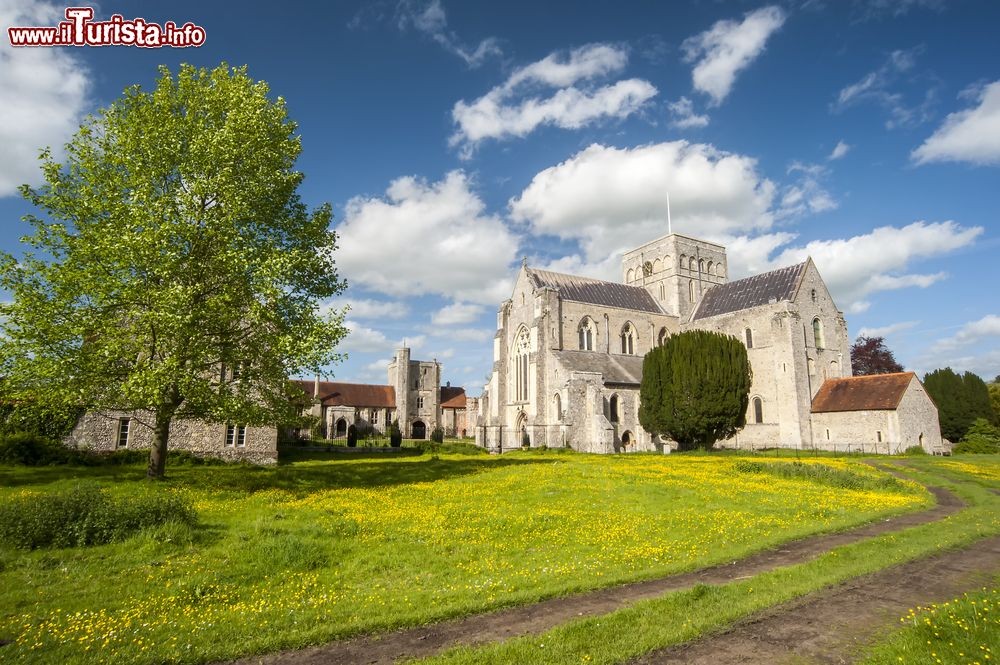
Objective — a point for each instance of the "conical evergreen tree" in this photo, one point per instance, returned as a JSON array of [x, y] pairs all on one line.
[[695, 388]]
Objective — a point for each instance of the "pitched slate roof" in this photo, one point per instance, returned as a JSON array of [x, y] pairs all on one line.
[[776, 285], [616, 369], [595, 291], [452, 397], [333, 393], [877, 392]]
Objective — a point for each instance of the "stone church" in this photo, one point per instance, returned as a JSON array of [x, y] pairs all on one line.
[[568, 358]]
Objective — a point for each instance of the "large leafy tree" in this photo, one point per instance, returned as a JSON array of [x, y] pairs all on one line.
[[870, 355], [173, 249], [695, 388], [960, 399]]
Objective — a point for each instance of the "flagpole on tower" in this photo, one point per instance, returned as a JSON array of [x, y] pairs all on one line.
[[670, 227]]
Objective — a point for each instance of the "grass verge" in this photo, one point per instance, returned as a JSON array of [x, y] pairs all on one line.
[[686, 615]]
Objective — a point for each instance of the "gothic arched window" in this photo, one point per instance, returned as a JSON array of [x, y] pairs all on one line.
[[758, 410], [587, 332], [691, 263], [557, 406], [818, 333], [749, 336], [701, 265], [519, 360], [691, 289], [628, 340], [661, 339], [613, 409]]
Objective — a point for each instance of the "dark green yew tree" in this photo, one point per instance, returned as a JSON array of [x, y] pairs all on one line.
[[695, 388], [960, 400], [175, 269]]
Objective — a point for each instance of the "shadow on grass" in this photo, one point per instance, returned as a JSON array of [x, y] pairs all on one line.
[[300, 478]]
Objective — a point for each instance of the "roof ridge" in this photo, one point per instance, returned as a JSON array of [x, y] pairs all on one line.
[[871, 376]]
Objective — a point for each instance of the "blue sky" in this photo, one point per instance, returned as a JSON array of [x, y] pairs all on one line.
[[454, 138]]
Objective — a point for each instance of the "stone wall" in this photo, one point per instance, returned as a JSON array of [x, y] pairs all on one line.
[[98, 430]]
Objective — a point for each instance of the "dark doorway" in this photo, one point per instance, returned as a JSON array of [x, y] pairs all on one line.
[[418, 430], [341, 428]]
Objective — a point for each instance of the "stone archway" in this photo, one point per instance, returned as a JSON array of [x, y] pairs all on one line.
[[626, 439], [521, 431], [418, 430], [341, 428]]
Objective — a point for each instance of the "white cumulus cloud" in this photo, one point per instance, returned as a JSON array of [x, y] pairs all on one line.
[[513, 110], [362, 308], [456, 313], [727, 48], [886, 330], [609, 197], [427, 238], [44, 92], [839, 150], [854, 268], [970, 333], [972, 135], [684, 115]]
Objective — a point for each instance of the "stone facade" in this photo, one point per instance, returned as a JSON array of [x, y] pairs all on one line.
[[413, 395], [568, 350], [107, 431]]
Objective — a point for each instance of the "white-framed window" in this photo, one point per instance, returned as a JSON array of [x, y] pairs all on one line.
[[124, 425], [236, 435]]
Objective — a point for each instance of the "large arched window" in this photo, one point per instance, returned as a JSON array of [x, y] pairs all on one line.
[[691, 289], [818, 333], [657, 266], [701, 265], [557, 407], [519, 360], [682, 262], [661, 339], [691, 263], [749, 337], [628, 340], [588, 331], [613, 409], [758, 410]]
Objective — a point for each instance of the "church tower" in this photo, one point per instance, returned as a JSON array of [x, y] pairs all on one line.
[[676, 270]]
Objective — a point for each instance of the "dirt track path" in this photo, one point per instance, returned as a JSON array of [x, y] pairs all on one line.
[[831, 626], [504, 624]]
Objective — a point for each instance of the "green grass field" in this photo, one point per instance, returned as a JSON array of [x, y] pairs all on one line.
[[329, 546]]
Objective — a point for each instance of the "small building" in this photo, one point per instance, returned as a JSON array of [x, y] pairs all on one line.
[[413, 396], [883, 413]]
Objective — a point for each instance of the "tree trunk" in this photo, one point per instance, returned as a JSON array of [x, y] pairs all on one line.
[[158, 451]]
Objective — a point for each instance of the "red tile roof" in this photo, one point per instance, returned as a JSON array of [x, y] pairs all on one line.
[[877, 392], [452, 397], [333, 393]]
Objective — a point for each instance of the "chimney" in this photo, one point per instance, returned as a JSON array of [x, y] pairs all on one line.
[[316, 387]]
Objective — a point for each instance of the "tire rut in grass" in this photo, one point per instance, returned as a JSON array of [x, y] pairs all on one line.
[[424, 641], [832, 626]]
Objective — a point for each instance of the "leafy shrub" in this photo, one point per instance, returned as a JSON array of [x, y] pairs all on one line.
[[34, 450], [352, 436], [915, 450], [525, 440], [981, 439], [454, 448], [395, 435], [437, 436], [86, 515]]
